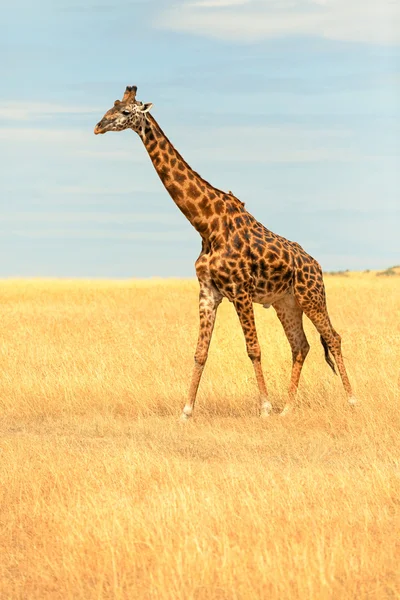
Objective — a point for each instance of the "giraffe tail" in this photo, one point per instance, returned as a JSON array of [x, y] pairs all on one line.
[[327, 355]]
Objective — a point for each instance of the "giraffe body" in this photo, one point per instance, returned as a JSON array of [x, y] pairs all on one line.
[[240, 260]]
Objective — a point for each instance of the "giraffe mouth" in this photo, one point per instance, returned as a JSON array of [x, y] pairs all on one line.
[[98, 130], [102, 126]]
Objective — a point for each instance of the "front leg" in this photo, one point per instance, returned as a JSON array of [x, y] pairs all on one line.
[[244, 309], [209, 300]]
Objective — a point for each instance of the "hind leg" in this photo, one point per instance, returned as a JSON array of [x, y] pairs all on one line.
[[291, 316], [333, 340], [310, 295]]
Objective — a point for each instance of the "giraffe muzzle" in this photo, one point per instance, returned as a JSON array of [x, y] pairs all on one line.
[[102, 126], [99, 129]]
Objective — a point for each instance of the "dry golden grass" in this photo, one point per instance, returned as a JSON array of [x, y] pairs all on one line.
[[104, 494]]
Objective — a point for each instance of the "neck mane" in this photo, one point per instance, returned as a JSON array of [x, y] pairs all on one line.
[[205, 206]]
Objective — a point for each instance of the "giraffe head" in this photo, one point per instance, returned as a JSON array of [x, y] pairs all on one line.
[[127, 113]]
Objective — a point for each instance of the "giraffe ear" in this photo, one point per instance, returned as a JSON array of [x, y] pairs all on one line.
[[146, 107]]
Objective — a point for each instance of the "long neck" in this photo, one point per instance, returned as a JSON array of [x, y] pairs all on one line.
[[201, 203]]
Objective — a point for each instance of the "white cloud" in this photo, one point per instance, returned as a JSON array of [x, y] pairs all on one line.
[[218, 3], [24, 111], [104, 190], [269, 144], [67, 142], [37, 134], [88, 217], [151, 236], [371, 21], [112, 155]]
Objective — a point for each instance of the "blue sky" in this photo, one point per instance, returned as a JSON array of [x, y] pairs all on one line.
[[294, 105]]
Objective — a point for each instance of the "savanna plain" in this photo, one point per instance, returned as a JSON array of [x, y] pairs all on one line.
[[105, 494]]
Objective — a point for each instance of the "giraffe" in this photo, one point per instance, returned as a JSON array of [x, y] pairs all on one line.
[[240, 260]]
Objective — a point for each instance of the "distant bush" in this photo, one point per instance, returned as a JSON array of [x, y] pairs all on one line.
[[389, 272], [339, 273]]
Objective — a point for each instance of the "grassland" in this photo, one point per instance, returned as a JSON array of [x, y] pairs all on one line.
[[104, 494]]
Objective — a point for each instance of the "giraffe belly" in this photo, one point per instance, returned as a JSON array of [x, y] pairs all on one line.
[[269, 299]]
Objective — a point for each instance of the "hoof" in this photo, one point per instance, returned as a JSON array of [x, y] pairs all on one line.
[[266, 410], [186, 414], [286, 410]]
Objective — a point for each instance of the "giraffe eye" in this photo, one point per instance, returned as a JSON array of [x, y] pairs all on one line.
[[126, 112]]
